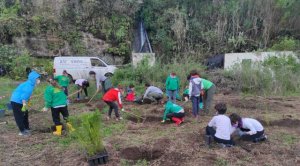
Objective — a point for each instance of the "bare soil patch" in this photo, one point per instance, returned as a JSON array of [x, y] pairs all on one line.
[[140, 153], [144, 119], [292, 123]]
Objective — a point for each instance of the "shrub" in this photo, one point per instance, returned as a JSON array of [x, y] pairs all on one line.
[[274, 76], [87, 132], [19, 66], [285, 43]]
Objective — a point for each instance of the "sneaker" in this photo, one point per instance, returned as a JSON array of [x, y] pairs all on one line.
[[86, 98], [27, 131], [24, 133], [261, 138], [225, 145], [118, 119]]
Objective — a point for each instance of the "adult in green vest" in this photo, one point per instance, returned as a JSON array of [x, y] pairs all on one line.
[[56, 100], [172, 86], [209, 89], [63, 81]]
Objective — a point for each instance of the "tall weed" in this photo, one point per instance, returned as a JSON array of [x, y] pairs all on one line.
[[274, 76]]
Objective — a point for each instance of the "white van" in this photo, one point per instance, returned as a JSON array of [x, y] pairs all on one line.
[[79, 67]]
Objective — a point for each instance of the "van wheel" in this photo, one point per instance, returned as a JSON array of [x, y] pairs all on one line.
[[108, 75]]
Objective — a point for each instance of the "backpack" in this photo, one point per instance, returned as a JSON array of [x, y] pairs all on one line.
[[196, 88]]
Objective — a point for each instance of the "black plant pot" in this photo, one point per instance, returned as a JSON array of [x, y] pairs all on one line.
[[98, 159]]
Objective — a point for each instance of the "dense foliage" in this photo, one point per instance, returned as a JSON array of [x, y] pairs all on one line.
[[274, 76], [175, 27], [205, 27]]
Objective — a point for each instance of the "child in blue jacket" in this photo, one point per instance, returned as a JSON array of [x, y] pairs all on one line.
[[19, 100]]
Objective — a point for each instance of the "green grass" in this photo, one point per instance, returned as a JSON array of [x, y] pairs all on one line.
[[221, 162], [125, 162], [113, 128], [288, 139]]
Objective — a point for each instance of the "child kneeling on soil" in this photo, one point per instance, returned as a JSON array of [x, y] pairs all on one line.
[[114, 94], [220, 127], [249, 129], [174, 112], [130, 93], [56, 99]]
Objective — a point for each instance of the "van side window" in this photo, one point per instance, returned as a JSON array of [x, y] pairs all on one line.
[[97, 63]]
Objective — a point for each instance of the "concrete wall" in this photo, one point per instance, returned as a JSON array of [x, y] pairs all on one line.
[[137, 57], [231, 59]]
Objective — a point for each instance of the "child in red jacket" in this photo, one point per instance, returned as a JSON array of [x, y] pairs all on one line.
[[130, 93], [112, 95]]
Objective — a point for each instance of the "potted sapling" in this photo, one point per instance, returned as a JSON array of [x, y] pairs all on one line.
[[87, 133]]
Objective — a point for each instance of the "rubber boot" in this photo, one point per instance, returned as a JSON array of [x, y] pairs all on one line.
[[70, 127], [182, 119], [176, 120], [58, 130]]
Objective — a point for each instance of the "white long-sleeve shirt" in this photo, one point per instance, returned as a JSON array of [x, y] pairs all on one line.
[[79, 81], [252, 124], [99, 78], [223, 126]]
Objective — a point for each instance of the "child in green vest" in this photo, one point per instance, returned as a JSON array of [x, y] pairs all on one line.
[[172, 86], [63, 81], [174, 112], [56, 100]]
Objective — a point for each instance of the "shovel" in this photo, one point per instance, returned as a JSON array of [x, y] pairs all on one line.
[[133, 114], [88, 103], [75, 93]]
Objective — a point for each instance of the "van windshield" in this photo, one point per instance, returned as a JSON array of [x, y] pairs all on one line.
[[97, 63]]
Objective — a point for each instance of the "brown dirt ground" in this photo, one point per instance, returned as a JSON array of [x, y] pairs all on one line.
[[164, 144]]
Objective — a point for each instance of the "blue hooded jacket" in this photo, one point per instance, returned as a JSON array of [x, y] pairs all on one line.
[[24, 90]]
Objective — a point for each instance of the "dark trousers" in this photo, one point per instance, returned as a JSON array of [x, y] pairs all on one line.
[[195, 103], [112, 106], [208, 98], [248, 137], [85, 92], [56, 116], [66, 90], [211, 131], [177, 115], [21, 118]]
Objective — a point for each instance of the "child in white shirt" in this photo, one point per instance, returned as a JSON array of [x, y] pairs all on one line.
[[249, 129], [220, 126]]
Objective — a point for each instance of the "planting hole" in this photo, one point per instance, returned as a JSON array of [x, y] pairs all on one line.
[[139, 153], [245, 104]]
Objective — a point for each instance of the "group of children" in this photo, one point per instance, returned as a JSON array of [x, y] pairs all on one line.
[[219, 128]]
